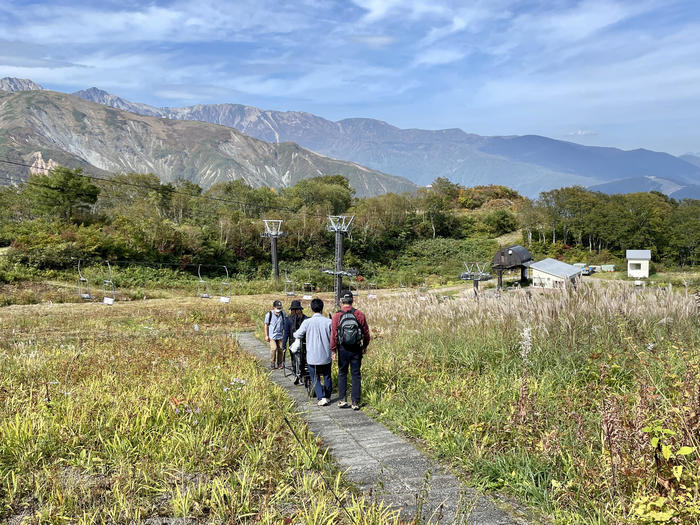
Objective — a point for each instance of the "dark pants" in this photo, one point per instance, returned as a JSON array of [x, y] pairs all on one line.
[[327, 387], [353, 360]]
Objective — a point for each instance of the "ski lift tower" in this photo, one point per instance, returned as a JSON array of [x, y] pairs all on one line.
[[273, 230], [340, 225], [476, 272]]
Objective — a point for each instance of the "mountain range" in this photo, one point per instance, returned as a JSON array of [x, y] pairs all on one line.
[[40, 127], [527, 163]]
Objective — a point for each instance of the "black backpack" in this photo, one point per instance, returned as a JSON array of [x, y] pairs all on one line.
[[270, 313], [349, 331]]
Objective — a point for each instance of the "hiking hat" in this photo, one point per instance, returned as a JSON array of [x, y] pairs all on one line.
[[296, 305], [277, 304], [346, 297]]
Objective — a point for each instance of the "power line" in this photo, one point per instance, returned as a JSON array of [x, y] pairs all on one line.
[[169, 190]]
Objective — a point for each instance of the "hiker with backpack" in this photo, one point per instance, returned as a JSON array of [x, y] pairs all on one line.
[[296, 317], [349, 340], [316, 331], [275, 321]]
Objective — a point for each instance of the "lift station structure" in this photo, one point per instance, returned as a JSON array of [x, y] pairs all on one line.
[[511, 258]]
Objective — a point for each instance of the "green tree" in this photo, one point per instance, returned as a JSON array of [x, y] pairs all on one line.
[[499, 222], [64, 192], [329, 194]]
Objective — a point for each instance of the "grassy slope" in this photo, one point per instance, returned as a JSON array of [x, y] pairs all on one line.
[[563, 425], [118, 414]]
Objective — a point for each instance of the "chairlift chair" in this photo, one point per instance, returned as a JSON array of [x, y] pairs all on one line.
[[289, 287], [108, 288], [371, 290], [83, 285], [308, 289], [423, 292], [225, 289], [202, 285]]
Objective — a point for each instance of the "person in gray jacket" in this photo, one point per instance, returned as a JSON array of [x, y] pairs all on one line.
[[316, 330]]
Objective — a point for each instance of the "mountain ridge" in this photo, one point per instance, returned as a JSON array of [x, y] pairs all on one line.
[[72, 131], [528, 163], [13, 85]]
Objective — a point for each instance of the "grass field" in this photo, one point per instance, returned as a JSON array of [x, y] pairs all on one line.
[[585, 404], [149, 412]]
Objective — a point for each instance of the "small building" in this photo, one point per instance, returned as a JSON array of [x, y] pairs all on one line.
[[511, 258], [638, 263], [550, 273]]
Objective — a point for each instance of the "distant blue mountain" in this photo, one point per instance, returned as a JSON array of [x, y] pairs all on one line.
[[676, 189], [592, 161], [692, 159]]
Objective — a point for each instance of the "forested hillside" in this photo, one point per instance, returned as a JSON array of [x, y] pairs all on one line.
[[52, 221]]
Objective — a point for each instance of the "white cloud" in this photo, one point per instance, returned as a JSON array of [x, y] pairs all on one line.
[[374, 41], [179, 22], [581, 133], [377, 10], [434, 57]]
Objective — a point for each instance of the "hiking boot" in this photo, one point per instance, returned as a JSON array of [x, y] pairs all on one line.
[[273, 366], [297, 380], [343, 404], [323, 402], [355, 407]]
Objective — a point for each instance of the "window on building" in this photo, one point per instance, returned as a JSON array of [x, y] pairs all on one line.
[[635, 266]]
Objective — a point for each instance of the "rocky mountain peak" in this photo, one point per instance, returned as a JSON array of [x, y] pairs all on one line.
[[40, 166], [18, 84]]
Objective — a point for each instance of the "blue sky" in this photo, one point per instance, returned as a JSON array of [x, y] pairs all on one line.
[[617, 73]]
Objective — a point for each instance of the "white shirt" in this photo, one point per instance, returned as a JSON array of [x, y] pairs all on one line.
[[317, 332]]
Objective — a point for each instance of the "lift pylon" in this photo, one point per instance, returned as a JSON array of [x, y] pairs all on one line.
[[476, 271]]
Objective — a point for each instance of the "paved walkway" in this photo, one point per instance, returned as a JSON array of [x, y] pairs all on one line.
[[378, 461]]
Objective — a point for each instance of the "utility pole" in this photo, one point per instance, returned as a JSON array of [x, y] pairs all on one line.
[[340, 225], [273, 230]]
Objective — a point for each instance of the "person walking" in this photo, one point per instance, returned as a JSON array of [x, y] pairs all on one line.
[[296, 317], [316, 330], [349, 340], [275, 321]]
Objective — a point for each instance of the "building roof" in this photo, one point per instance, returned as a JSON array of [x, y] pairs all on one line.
[[513, 257], [556, 268], [644, 255]]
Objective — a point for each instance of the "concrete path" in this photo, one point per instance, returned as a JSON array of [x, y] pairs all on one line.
[[386, 465]]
